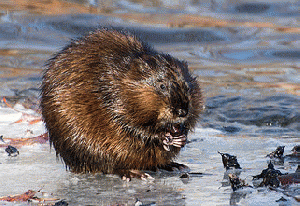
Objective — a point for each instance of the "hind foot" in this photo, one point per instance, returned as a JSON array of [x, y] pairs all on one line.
[[127, 175]]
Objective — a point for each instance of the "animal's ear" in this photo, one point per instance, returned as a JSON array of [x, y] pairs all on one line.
[[138, 64], [138, 69]]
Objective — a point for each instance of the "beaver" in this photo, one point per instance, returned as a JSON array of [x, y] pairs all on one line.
[[114, 105]]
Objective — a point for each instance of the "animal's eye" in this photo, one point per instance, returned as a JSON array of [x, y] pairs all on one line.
[[162, 86]]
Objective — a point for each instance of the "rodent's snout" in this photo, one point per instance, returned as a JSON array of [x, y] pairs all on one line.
[[180, 106], [179, 99]]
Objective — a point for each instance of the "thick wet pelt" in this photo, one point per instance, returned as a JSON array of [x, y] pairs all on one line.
[[245, 55]]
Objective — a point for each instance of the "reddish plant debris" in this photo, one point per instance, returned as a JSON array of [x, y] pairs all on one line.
[[19, 198], [31, 119], [292, 178], [31, 196], [19, 142]]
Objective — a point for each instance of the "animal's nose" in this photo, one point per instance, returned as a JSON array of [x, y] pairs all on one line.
[[182, 112]]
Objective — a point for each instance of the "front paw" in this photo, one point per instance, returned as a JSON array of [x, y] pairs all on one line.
[[176, 141]]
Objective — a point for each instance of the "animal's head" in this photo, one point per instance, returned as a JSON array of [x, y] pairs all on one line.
[[160, 95]]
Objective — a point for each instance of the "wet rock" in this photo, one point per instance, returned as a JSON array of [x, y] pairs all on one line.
[[269, 176], [185, 178], [12, 151], [236, 182], [61, 203], [184, 175], [278, 153], [229, 161], [1, 138]]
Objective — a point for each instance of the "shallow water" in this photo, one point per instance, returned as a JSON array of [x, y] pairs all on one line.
[[246, 57]]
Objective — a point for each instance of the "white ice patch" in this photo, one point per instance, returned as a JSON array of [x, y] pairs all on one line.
[[11, 128]]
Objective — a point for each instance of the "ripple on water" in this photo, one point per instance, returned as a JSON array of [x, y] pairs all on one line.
[[271, 115], [293, 54], [252, 8]]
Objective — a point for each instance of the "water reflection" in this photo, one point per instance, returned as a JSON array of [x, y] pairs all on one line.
[[101, 191]]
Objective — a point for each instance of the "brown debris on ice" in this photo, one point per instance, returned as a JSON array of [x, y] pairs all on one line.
[[31, 119], [19, 142], [31, 196], [20, 197]]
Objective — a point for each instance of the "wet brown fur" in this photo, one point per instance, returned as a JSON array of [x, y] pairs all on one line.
[[108, 99]]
